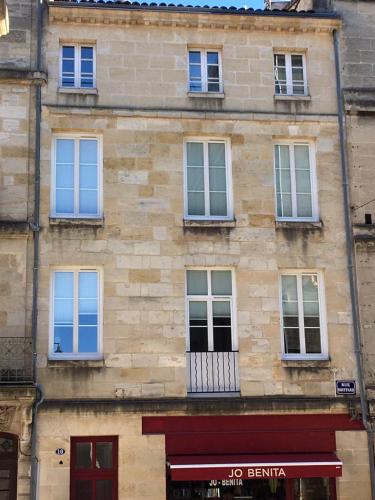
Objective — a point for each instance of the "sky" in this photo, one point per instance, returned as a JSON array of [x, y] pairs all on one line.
[[255, 4]]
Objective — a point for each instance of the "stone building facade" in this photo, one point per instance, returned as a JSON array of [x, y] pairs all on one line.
[[18, 83], [194, 308]]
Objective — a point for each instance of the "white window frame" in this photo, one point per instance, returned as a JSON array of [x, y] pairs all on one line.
[[313, 180], [228, 164], [76, 355], [209, 299], [289, 75], [204, 74], [322, 316], [76, 215], [77, 64]]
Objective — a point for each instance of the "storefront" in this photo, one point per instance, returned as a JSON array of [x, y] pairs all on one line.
[[257, 457]]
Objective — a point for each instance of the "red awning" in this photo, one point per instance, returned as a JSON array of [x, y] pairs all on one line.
[[293, 465]]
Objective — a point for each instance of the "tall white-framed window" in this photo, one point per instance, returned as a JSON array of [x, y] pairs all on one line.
[[303, 316], [205, 70], [296, 183], [77, 66], [76, 176], [290, 74], [208, 179], [210, 310], [76, 313]]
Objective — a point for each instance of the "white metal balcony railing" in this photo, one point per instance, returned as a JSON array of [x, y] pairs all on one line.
[[212, 372], [15, 360]]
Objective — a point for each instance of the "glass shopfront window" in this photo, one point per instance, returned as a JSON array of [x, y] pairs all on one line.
[[260, 489]]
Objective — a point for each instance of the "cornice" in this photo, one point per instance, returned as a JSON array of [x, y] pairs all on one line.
[[79, 14]]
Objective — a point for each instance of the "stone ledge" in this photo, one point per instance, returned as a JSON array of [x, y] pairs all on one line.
[[207, 95], [282, 97], [77, 91], [364, 231], [14, 228], [316, 364], [22, 76], [298, 225], [63, 222], [75, 363], [208, 223]]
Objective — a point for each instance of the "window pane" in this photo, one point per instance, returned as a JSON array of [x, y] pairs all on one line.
[[222, 326], [195, 179], [83, 489], [213, 87], [313, 342], [289, 287], [87, 339], [221, 282], [217, 179], [65, 201], [63, 339], [195, 72], [212, 58], [213, 72], [197, 283], [87, 52], [301, 156], [286, 205], [310, 287], [65, 176], [297, 74], [83, 455], [194, 154], [68, 51], [198, 328], [88, 285], [68, 66], [291, 340], [86, 68], [304, 205], [104, 489], [218, 204], [297, 61], [104, 455], [303, 184], [216, 154], [88, 201], [88, 151], [65, 151], [195, 57], [196, 204]]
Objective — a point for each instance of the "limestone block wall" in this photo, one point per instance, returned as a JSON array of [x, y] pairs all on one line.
[[145, 65], [144, 250]]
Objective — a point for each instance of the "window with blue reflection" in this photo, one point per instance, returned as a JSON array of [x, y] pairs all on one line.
[[76, 177], [87, 67], [88, 312], [63, 312], [76, 303], [68, 66]]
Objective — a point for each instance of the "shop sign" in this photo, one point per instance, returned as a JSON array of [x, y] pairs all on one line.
[[345, 387]]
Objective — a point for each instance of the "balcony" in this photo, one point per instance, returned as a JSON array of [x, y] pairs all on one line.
[[213, 372], [15, 360]]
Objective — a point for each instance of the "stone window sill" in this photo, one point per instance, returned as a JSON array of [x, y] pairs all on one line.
[[209, 223], [364, 231], [209, 95], [64, 222], [75, 90], [75, 363], [298, 224], [296, 97], [307, 364]]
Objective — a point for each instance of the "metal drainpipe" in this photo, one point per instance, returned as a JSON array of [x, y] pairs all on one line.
[[36, 227], [351, 266]]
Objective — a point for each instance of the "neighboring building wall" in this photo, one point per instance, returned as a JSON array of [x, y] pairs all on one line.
[[17, 128]]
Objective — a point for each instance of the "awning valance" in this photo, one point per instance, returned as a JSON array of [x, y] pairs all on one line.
[[266, 466]]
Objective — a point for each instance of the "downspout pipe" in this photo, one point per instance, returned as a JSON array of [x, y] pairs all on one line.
[[36, 231], [351, 266]]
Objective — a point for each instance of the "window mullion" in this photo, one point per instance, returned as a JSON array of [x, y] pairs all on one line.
[[293, 180], [75, 311], [301, 320], [204, 71], [76, 176], [289, 75], [210, 333], [207, 212]]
